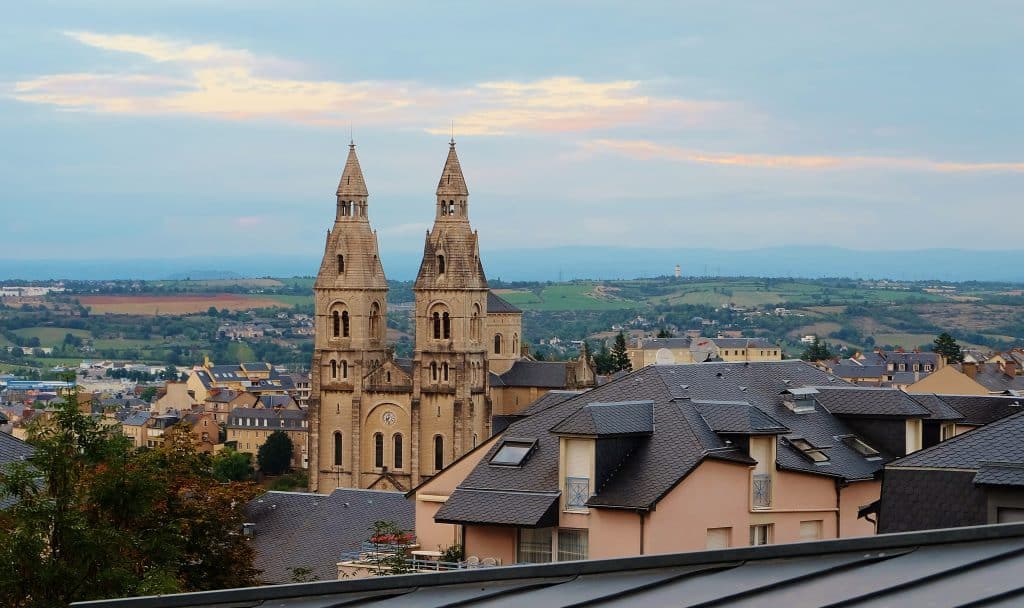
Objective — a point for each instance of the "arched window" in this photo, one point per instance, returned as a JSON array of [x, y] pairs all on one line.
[[474, 324], [344, 324], [341, 263], [378, 450], [337, 448], [374, 321], [334, 369], [344, 369], [515, 343], [446, 322], [497, 344], [433, 371], [437, 326], [438, 452], [335, 324], [398, 450], [440, 264], [444, 208], [451, 207], [444, 371]]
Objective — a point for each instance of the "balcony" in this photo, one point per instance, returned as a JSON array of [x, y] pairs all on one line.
[[761, 491], [577, 492]]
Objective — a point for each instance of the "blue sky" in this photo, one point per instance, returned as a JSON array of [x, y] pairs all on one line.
[[149, 129]]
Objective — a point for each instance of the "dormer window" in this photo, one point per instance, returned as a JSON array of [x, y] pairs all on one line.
[[859, 446], [513, 452], [814, 454]]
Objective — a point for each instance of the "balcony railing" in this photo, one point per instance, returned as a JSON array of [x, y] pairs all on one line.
[[762, 490], [577, 492]]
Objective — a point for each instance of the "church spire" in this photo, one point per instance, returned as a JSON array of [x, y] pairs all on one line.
[[452, 182], [352, 193]]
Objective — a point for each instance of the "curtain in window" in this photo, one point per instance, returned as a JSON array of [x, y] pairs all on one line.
[[572, 544], [534, 546]]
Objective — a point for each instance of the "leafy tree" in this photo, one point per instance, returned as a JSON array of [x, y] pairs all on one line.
[[620, 358], [94, 518], [816, 351], [665, 333], [275, 455], [948, 347], [148, 393], [230, 465], [603, 360]]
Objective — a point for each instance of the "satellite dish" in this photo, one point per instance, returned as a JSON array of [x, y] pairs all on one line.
[[703, 349], [664, 357]]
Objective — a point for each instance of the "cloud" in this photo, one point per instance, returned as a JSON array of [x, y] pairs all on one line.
[[648, 150], [212, 80]]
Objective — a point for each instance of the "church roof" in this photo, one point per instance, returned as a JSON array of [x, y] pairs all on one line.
[[452, 181], [352, 182], [496, 304]]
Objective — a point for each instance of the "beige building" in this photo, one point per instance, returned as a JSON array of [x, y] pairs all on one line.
[[178, 398], [378, 422], [259, 377], [249, 428], [674, 351]]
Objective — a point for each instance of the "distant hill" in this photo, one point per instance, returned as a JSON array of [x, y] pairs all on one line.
[[566, 263]]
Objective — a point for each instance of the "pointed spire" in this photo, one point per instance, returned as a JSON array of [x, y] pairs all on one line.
[[452, 182], [352, 183]]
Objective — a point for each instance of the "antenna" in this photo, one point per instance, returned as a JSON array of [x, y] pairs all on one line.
[[351, 139]]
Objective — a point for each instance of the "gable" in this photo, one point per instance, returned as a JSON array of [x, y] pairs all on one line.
[[948, 381]]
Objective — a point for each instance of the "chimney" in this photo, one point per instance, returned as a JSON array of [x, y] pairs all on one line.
[[1010, 368], [970, 370]]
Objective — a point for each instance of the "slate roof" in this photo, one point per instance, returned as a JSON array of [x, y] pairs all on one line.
[[137, 418], [270, 401], [737, 417], [741, 343], [974, 566], [609, 420], [870, 401], [975, 409], [848, 369], [293, 419], [669, 343], [497, 304], [298, 529], [223, 395], [682, 438], [529, 509], [1000, 474], [992, 377], [541, 374], [1000, 441], [549, 399], [940, 410]]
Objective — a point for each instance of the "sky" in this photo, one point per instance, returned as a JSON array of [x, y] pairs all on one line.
[[170, 129]]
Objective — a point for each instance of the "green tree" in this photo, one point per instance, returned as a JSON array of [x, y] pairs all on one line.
[[230, 465], [816, 351], [148, 393], [620, 358], [665, 333], [948, 347], [275, 455], [603, 360]]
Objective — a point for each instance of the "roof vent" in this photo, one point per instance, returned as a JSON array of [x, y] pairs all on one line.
[[718, 374]]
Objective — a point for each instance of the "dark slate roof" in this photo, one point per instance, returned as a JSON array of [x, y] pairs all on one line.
[[847, 369], [292, 418], [530, 509], [549, 399], [276, 400], [13, 449], [870, 401], [984, 409], [1000, 441], [137, 418], [737, 417], [495, 304], [297, 529], [958, 567], [741, 343], [669, 343], [940, 409], [542, 374], [609, 419], [991, 377], [223, 395], [1000, 474], [681, 440]]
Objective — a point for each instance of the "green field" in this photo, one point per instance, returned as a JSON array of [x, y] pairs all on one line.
[[570, 296], [51, 336]]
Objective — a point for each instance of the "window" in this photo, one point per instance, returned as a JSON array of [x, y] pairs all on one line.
[[437, 326], [447, 323], [761, 534], [336, 324], [378, 450], [515, 343], [497, 344], [815, 455], [334, 369], [438, 452], [512, 453], [375, 321], [859, 446], [337, 448], [440, 264], [398, 450], [341, 263], [719, 538], [533, 546], [444, 371], [572, 544], [433, 371], [344, 369], [913, 434], [810, 530], [947, 430], [344, 324]]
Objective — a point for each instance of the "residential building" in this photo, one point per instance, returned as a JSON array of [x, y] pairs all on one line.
[[220, 402], [248, 429], [177, 398], [204, 429], [673, 458], [949, 380], [378, 422], [154, 429], [888, 368], [134, 427], [971, 479], [699, 349], [259, 377], [526, 381], [293, 530]]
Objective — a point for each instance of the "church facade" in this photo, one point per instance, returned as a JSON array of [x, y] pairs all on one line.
[[386, 423]]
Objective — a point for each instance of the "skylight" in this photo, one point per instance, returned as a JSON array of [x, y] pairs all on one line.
[[859, 446], [512, 453], [815, 454]]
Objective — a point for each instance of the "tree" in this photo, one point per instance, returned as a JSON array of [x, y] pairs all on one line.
[[816, 351], [93, 518], [603, 360], [620, 357], [275, 455], [148, 393], [948, 347], [229, 465], [390, 547], [665, 333]]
